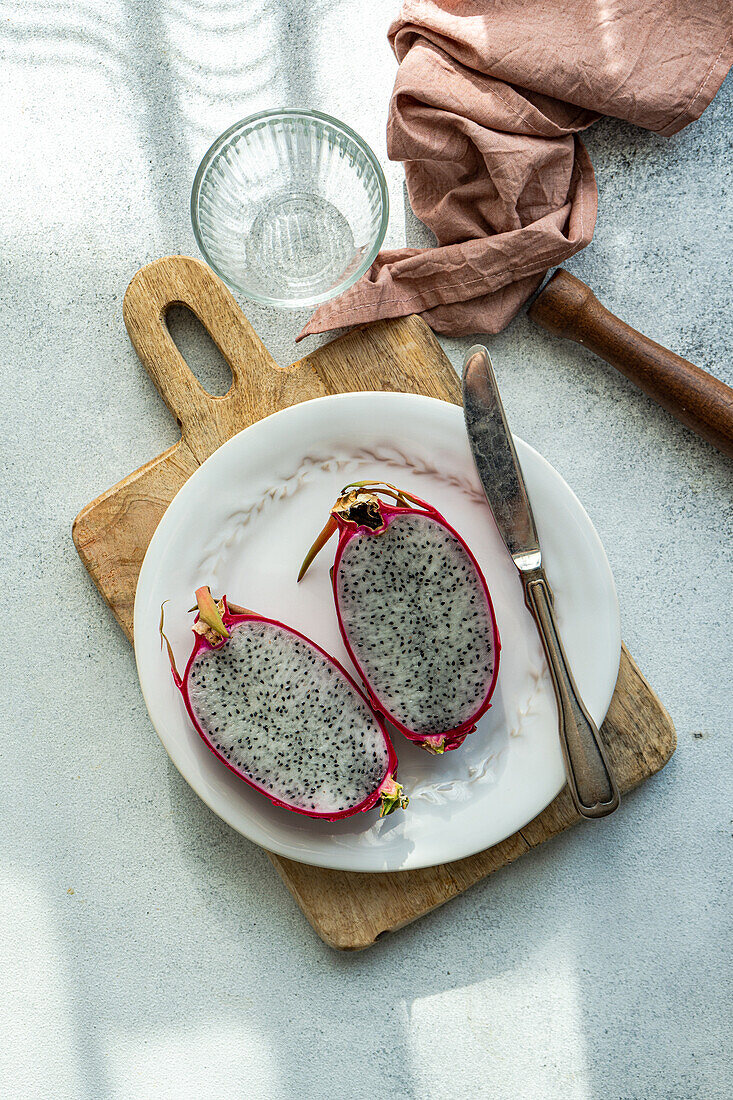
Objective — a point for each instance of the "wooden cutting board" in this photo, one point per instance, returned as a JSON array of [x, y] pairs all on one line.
[[348, 910]]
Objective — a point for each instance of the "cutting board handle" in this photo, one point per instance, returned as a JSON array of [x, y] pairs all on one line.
[[206, 421]]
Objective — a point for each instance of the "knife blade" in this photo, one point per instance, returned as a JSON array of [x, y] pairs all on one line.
[[590, 781]]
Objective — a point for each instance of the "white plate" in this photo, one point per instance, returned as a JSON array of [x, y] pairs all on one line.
[[242, 524]]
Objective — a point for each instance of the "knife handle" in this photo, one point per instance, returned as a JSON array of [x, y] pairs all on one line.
[[569, 308], [591, 783]]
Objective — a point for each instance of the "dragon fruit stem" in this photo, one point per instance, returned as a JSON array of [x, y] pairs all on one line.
[[434, 745], [209, 612], [164, 638], [399, 495], [237, 609], [318, 545], [391, 797]]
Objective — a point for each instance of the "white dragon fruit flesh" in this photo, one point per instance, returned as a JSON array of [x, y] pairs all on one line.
[[284, 716], [415, 613]]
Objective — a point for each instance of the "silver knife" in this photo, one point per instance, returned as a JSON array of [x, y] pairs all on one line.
[[590, 781]]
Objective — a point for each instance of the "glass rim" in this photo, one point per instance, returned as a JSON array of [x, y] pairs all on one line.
[[334, 124]]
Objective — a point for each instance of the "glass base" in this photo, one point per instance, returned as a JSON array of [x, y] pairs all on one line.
[[299, 245]]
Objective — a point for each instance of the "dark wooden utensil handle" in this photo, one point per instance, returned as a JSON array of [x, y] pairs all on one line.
[[567, 307]]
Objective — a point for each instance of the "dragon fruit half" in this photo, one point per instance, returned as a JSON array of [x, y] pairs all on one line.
[[284, 716], [414, 611]]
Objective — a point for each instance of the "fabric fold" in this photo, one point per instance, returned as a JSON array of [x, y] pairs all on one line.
[[489, 99]]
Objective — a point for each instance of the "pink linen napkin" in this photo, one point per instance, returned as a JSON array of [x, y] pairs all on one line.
[[487, 104]]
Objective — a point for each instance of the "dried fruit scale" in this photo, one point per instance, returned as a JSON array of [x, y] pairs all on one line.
[[349, 911]]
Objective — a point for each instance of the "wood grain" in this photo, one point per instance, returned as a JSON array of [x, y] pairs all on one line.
[[349, 911], [569, 308]]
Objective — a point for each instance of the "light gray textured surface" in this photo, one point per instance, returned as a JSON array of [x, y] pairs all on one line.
[[148, 951]]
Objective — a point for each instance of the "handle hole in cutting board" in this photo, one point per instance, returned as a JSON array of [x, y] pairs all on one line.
[[199, 350]]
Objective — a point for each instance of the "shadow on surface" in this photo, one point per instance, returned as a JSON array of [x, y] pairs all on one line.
[[199, 350]]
